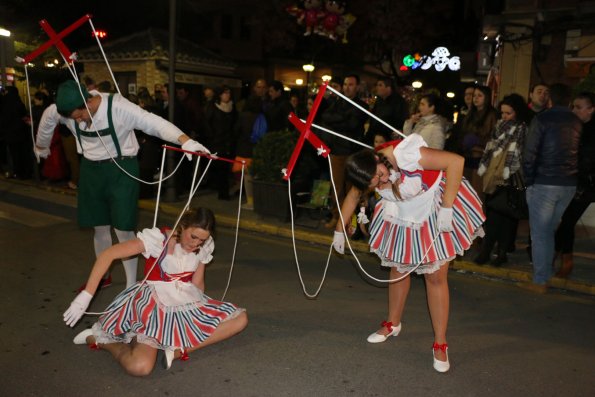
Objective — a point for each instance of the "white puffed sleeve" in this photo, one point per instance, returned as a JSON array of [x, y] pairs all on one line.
[[206, 250], [407, 152]]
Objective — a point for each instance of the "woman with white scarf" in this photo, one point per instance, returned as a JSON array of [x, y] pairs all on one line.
[[500, 161]]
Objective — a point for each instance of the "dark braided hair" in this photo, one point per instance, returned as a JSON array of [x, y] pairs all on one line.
[[361, 168]]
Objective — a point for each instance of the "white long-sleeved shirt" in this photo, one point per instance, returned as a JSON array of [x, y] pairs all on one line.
[[126, 117]]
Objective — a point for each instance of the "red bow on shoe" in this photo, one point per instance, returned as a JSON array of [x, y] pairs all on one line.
[[184, 356], [388, 325], [442, 347]]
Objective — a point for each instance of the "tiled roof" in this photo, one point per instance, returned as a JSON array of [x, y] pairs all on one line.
[[153, 44]]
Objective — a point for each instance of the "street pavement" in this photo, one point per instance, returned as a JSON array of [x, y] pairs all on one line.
[[503, 340]]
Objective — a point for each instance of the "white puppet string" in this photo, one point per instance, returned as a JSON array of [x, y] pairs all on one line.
[[133, 291], [235, 244], [193, 190], [104, 56], [366, 111], [351, 249], [73, 72], [297, 262], [107, 150], [339, 135], [312, 296]]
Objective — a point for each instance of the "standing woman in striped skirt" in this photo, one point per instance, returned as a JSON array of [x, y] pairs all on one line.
[[169, 312], [428, 214]]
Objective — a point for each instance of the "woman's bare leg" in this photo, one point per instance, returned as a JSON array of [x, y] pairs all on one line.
[[225, 330], [138, 359], [438, 303], [397, 295]]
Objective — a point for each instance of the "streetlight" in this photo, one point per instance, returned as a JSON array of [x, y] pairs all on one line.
[[308, 68], [4, 34]]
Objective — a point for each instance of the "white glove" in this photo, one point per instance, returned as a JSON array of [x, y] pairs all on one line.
[[42, 152], [192, 146], [77, 308], [153, 241], [339, 242], [445, 220]]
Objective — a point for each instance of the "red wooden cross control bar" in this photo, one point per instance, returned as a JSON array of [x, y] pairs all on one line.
[[55, 39], [306, 133]]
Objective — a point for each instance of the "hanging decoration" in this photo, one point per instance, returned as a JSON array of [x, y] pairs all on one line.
[[440, 59], [325, 18]]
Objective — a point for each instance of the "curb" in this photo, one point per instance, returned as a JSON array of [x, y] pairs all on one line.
[[305, 236]]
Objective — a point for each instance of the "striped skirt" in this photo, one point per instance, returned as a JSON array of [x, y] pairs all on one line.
[[405, 247], [179, 327]]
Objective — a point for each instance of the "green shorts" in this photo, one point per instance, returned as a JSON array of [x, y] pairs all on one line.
[[106, 195]]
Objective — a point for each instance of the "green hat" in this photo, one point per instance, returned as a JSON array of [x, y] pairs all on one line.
[[69, 97]]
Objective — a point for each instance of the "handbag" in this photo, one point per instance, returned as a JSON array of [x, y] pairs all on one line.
[[510, 200]]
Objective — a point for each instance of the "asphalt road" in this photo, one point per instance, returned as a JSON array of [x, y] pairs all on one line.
[[503, 341]]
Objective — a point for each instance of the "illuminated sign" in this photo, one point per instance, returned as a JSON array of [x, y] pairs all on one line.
[[440, 60], [102, 34]]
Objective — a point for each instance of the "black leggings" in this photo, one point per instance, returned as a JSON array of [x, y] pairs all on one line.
[[565, 232]]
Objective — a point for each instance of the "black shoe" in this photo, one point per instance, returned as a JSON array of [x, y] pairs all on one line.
[[499, 260], [482, 258]]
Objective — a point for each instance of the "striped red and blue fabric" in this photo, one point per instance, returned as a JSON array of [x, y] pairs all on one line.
[[182, 326], [406, 245]]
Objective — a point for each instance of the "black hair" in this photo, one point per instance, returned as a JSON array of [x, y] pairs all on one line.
[[68, 114], [586, 95], [220, 90], [355, 76], [389, 82], [360, 168], [534, 86], [518, 104], [277, 85], [560, 94], [434, 100]]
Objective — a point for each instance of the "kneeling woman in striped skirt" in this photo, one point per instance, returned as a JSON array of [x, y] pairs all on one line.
[[428, 214], [169, 312]]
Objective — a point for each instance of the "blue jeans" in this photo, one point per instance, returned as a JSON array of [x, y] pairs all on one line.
[[546, 206]]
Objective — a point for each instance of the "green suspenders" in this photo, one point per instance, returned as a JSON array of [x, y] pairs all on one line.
[[107, 131]]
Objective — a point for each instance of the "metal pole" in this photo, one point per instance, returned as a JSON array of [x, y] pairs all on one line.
[[170, 190], [3, 60]]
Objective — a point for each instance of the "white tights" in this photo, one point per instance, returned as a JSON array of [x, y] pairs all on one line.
[[102, 240]]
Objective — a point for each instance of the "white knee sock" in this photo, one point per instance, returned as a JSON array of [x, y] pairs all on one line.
[[130, 265], [102, 240]]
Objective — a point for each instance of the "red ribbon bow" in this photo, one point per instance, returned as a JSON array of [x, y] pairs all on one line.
[[442, 347], [388, 325], [184, 356]]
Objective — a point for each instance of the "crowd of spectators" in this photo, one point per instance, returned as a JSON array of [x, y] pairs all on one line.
[[498, 140]]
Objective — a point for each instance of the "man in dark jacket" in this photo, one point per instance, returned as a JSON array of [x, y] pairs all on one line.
[[344, 118], [550, 165], [389, 107], [278, 108]]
